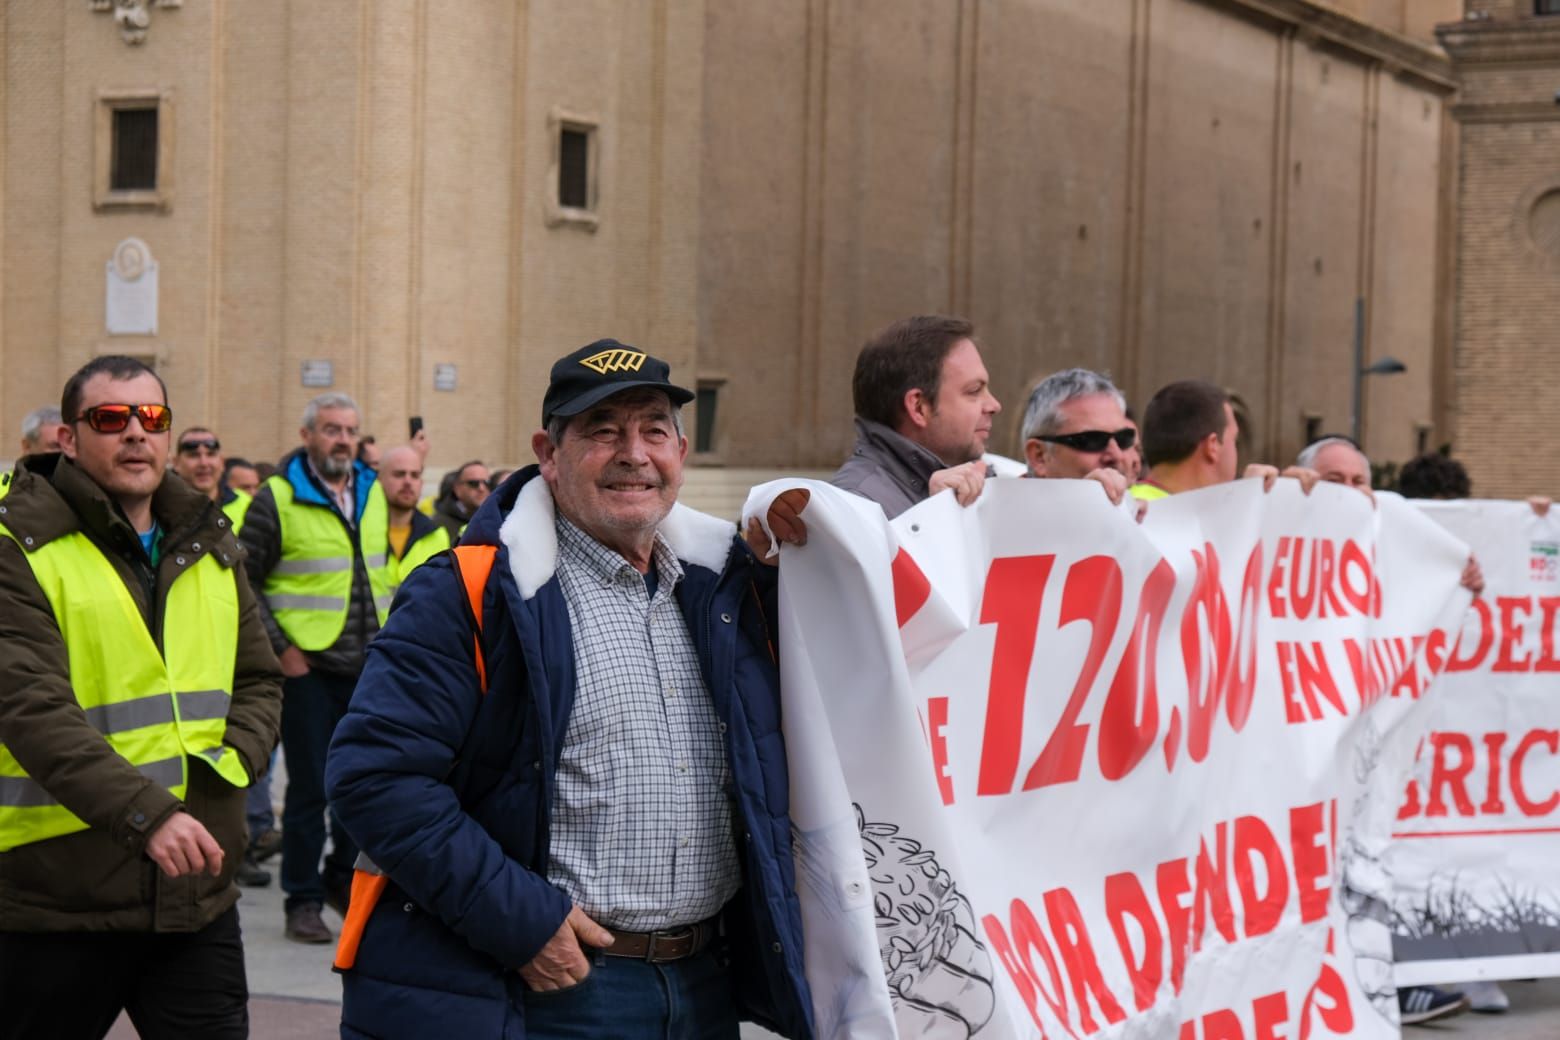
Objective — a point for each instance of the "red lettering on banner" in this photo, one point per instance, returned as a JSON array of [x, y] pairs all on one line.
[[1060, 965], [1511, 634], [1173, 882], [1456, 757], [1307, 827], [1365, 670], [1124, 898], [1260, 911], [911, 589], [1551, 740], [1129, 721], [1277, 578], [1223, 1024], [1294, 714], [1446, 777], [1015, 588], [1077, 953], [1212, 898], [1493, 804], [1547, 662], [1092, 594], [1459, 663], [1241, 677], [1015, 968], [1205, 649], [1363, 595], [937, 735], [1270, 1013], [1328, 1000]]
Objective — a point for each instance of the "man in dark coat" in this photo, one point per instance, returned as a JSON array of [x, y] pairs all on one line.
[[598, 845]]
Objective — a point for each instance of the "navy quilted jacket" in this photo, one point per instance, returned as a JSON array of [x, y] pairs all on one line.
[[448, 791]]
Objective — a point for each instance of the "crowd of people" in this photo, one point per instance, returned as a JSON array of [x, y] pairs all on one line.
[[548, 790]]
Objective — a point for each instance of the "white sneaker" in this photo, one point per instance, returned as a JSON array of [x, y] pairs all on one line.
[[1486, 997]]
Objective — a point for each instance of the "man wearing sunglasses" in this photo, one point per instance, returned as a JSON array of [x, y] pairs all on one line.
[[198, 459], [141, 699], [924, 410], [1076, 427], [468, 490], [318, 536]]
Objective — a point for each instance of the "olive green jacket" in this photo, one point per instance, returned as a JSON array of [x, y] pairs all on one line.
[[100, 879]]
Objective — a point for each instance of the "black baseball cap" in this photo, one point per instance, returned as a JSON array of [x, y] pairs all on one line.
[[606, 367]]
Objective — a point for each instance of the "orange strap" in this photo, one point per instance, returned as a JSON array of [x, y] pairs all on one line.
[[473, 563]]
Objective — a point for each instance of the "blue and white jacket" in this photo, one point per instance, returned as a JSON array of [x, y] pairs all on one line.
[[449, 791]]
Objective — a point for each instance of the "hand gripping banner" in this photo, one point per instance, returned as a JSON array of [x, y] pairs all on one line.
[[1055, 773]]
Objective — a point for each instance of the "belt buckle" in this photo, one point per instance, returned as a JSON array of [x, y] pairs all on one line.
[[653, 937]]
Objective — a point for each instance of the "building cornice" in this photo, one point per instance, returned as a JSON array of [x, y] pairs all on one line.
[[1508, 112], [1528, 41], [1314, 23]]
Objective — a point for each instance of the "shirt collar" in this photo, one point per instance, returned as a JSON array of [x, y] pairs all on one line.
[[608, 565]]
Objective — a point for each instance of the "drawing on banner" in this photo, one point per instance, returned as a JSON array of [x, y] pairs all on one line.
[[1450, 918], [1365, 890], [939, 974]]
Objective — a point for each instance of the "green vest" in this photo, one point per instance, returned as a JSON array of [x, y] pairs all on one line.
[[5, 483], [236, 509], [311, 585], [156, 709], [1147, 492], [431, 544]]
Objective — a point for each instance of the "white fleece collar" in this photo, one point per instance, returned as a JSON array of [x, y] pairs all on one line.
[[530, 534]]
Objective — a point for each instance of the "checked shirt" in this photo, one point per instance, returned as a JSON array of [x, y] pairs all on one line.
[[641, 815]]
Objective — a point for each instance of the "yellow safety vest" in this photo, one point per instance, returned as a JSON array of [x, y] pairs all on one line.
[[5, 483], [310, 587], [1147, 492], [417, 554], [236, 509], [156, 709]]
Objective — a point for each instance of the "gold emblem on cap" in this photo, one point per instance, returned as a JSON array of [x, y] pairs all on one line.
[[615, 360]]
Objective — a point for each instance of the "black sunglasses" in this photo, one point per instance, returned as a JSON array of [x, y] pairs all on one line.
[[1093, 440], [191, 447], [474, 484]]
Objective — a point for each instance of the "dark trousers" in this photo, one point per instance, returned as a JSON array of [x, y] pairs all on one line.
[[312, 705], [175, 985], [624, 999]]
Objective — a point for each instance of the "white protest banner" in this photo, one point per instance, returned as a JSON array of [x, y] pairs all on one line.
[[1057, 774], [1478, 828]]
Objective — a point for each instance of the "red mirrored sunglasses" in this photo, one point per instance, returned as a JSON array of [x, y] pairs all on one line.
[[113, 418]]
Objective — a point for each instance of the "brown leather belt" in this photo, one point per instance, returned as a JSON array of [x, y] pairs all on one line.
[[672, 944]]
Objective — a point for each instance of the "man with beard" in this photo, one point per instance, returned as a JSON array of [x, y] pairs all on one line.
[[924, 410], [414, 538], [141, 698], [317, 536]]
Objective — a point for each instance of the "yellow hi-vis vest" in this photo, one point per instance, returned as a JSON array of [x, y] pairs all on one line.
[[417, 554], [311, 585], [1147, 492], [236, 509], [156, 709]]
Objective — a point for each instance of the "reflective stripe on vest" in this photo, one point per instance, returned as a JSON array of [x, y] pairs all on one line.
[[310, 587], [156, 709], [236, 509], [418, 553]]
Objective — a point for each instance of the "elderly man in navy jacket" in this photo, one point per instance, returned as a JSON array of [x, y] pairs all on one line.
[[599, 845]]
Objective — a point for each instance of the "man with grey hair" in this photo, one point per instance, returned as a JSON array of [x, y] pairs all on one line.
[[41, 430], [1076, 427], [317, 536], [1338, 460]]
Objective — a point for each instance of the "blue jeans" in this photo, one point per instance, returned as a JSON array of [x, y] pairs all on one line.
[[312, 705], [624, 999], [257, 803]]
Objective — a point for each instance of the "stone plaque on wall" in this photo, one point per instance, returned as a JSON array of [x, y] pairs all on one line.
[[130, 295]]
